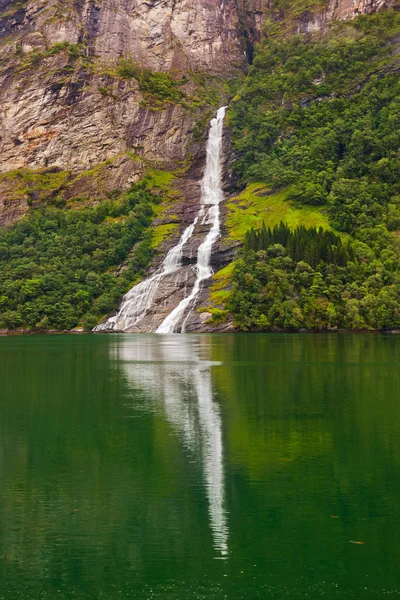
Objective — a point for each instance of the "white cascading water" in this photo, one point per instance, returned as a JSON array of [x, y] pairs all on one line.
[[211, 195], [138, 301]]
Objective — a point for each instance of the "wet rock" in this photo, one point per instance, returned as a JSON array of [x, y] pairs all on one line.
[[205, 316], [339, 10], [33, 42]]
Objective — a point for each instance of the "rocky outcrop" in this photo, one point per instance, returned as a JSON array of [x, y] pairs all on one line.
[[48, 118], [66, 107], [342, 10], [62, 104], [12, 207], [338, 10]]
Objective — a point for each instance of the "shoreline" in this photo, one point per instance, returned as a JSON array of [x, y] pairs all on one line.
[[19, 332]]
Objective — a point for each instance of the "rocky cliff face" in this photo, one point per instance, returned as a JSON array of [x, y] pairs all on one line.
[[72, 112], [338, 10], [200, 35], [65, 106]]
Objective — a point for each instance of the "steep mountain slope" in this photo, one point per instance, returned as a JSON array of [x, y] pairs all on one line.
[[94, 96], [317, 124], [65, 103]]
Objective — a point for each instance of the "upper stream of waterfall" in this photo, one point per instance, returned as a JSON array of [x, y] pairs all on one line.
[[138, 301]]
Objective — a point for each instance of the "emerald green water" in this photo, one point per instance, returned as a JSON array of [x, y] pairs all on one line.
[[200, 467]]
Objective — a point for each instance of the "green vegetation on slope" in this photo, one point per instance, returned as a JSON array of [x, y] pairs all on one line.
[[257, 205], [314, 113], [161, 86], [73, 52], [39, 183], [318, 120], [272, 290], [162, 232], [311, 245], [162, 180], [58, 268]]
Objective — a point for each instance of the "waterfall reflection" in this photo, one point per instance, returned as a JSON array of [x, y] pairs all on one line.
[[172, 371]]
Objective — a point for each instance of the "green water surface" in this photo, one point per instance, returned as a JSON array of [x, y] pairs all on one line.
[[200, 467]]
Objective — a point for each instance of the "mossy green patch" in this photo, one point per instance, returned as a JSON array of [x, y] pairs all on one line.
[[218, 316], [220, 294], [73, 52], [220, 297], [25, 181], [161, 232], [223, 277], [162, 179], [158, 87], [255, 206], [46, 179], [95, 171]]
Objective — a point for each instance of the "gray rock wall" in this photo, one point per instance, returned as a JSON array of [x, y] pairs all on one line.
[[73, 113]]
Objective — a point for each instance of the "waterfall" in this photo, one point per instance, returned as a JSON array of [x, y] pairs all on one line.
[[211, 195], [136, 303], [139, 300]]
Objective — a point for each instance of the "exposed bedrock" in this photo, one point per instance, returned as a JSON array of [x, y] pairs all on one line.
[[178, 285], [339, 10], [55, 110]]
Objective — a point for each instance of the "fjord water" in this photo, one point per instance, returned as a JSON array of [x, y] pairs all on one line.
[[202, 466]]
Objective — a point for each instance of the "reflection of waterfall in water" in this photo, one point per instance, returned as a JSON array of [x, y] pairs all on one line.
[[137, 303], [172, 372]]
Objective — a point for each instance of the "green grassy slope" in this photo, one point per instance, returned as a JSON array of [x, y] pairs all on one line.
[[257, 205], [317, 125]]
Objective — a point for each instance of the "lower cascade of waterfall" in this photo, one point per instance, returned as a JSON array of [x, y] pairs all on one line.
[[137, 303]]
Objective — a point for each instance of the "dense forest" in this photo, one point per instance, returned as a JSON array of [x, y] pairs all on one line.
[[310, 245], [60, 268], [321, 118]]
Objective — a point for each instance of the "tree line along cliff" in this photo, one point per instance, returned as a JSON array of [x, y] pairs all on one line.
[[94, 98]]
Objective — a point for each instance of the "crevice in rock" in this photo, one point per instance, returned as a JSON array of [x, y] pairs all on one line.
[[244, 31]]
